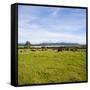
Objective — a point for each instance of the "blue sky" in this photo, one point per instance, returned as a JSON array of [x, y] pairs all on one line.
[[48, 24]]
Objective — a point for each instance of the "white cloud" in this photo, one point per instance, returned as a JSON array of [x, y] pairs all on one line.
[[55, 12]]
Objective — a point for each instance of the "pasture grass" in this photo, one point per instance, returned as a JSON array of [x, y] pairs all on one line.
[[39, 67]]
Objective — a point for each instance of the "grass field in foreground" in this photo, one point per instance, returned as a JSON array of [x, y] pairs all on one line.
[[51, 67]]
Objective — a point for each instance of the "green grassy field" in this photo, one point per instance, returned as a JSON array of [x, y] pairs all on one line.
[[51, 67]]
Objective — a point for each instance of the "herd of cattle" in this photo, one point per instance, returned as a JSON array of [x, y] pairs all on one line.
[[58, 49]]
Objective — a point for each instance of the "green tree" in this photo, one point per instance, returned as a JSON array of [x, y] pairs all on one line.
[[27, 44]]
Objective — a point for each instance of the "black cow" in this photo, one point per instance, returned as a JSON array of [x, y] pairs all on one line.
[[60, 49], [33, 50], [44, 48], [66, 49], [21, 51], [73, 49]]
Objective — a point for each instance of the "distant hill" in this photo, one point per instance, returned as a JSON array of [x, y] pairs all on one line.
[[46, 44], [61, 44], [54, 44]]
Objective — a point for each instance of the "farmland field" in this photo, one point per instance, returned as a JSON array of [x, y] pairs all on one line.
[[38, 67]]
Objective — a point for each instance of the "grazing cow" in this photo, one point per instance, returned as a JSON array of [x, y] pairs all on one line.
[[66, 49], [44, 48], [33, 50], [21, 51], [73, 49], [60, 49]]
